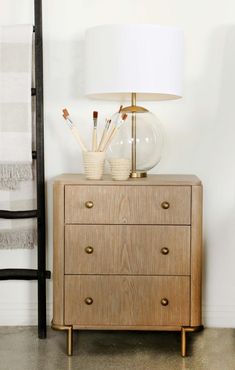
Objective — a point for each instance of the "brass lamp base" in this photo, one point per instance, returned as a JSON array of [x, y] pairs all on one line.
[[138, 175]]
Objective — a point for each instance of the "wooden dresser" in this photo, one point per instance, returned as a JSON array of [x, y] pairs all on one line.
[[127, 255]]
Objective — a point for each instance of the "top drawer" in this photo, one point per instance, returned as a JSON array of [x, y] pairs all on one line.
[[127, 204]]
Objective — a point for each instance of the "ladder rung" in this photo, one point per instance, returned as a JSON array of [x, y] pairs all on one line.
[[18, 214], [21, 274]]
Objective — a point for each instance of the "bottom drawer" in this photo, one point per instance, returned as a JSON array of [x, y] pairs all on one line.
[[94, 300]]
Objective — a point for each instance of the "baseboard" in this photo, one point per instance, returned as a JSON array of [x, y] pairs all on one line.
[[14, 314], [26, 314], [219, 316]]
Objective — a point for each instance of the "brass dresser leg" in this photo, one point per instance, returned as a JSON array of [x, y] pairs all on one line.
[[69, 330], [184, 330], [183, 342], [70, 341]]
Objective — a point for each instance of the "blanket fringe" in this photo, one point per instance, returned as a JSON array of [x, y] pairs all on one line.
[[18, 239], [12, 173]]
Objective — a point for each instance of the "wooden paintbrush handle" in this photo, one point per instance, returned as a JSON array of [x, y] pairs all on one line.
[[108, 133], [102, 139], [94, 140], [110, 138], [78, 138]]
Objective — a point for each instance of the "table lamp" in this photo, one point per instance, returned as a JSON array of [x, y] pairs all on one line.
[[129, 62]]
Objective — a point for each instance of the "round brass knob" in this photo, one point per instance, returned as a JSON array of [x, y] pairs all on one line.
[[164, 251], [89, 249], [89, 204], [88, 300], [164, 302], [165, 205]]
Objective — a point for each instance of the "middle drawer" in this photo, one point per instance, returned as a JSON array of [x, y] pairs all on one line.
[[119, 249]]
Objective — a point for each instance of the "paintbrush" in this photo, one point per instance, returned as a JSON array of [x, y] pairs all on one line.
[[94, 134], [114, 131], [106, 128], [116, 117], [109, 126], [74, 129]]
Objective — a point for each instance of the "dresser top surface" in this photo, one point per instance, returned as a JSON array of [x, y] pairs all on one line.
[[79, 179]]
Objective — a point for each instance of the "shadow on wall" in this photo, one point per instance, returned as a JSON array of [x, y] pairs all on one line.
[[215, 156], [221, 132]]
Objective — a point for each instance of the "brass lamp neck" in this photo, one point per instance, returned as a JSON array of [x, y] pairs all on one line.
[[133, 108], [133, 99]]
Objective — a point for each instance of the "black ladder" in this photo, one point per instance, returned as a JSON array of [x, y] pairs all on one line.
[[40, 274]]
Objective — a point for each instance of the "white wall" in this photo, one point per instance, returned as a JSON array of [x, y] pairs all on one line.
[[200, 128]]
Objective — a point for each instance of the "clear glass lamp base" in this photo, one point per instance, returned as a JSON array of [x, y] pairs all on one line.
[[139, 139]]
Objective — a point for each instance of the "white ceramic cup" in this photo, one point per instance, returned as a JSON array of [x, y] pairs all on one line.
[[120, 168], [93, 165]]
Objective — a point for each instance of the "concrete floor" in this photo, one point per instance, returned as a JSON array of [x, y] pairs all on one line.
[[211, 349]]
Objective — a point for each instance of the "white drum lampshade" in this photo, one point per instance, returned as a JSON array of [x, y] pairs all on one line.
[[142, 60]]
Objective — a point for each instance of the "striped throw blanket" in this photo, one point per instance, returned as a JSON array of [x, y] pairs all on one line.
[[16, 170]]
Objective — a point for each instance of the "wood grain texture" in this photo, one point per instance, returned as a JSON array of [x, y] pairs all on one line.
[[126, 275], [196, 257], [128, 205], [127, 250], [175, 180], [126, 300], [58, 254], [128, 327]]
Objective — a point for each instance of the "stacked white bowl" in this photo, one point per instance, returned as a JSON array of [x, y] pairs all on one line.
[[94, 165], [120, 168]]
